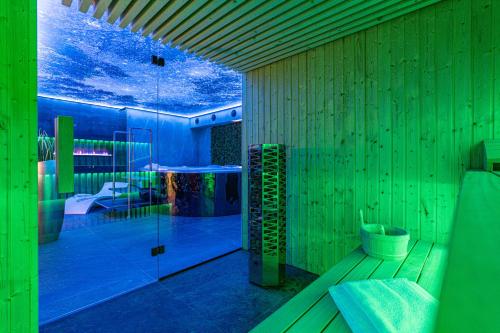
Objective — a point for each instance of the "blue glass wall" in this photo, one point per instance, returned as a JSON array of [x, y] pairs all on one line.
[[91, 121], [174, 143]]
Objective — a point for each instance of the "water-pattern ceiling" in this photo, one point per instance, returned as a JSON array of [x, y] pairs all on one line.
[[82, 58]]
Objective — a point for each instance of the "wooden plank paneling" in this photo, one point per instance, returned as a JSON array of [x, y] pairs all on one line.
[[385, 121], [84, 5], [412, 110], [303, 22], [359, 16], [359, 131], [293, 189], [320, 314], [427, 162], [371, 212], [263, 23], [384, 125], [398, 123], [302, 220], [349, 143], [328, 156], [213, 20], [132, 12], [384, 271], [18, 167], [280, 320], [181, 27], [249, 34], [354, 23], [253, 17], [101, 7], [229, 16], [149, 13], [338, 149], [431, 278], [310, 158], [313, 310], [496, 54], [168, 17], [447, 192], [482, 69], [462, 89]]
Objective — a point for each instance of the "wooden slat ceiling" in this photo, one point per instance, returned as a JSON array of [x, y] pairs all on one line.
[[245, 35]]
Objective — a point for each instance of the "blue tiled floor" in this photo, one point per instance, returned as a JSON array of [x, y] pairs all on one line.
[[95, 259], [213, 297]]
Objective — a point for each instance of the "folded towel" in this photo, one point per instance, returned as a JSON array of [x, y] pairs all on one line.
[[395, 305]]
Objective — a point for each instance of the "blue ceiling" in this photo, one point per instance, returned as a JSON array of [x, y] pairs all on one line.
[[85, 59]]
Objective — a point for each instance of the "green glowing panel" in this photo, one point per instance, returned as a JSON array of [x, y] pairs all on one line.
[[208, 181], [470, 294], [92, 152], [64, 130]]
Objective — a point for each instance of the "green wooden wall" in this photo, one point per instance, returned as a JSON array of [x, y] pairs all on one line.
[[18, 168], [385, 120]]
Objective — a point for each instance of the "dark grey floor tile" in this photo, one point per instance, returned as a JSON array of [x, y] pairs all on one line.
[[213, 297]]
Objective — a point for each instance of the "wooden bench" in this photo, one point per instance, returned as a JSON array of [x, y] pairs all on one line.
[[313, 309]]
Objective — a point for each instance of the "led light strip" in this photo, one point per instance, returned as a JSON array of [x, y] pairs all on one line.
[[189, 116]]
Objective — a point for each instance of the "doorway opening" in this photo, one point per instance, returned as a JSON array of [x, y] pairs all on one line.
[[157, 187]]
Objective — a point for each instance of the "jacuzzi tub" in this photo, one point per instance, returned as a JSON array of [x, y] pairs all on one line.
[[202, 191]]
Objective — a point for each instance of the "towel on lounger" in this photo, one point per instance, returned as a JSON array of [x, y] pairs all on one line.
[[394, 305]]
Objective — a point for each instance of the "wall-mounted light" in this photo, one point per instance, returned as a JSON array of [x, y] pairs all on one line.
[[214, 117], [233, 113]]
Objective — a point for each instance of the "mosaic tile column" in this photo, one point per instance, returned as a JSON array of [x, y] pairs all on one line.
[[267, 214]]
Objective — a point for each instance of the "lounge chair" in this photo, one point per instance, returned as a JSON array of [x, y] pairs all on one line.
[[81, 204]]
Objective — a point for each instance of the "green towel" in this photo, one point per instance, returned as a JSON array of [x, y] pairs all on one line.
[[394, 305]]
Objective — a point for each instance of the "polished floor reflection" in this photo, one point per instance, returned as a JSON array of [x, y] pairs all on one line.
[[214, 297], [96, 259]]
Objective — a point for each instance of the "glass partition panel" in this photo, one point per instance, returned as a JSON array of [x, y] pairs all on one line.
[[95, 243], [203, 216]]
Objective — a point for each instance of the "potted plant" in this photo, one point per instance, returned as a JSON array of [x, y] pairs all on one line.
[[50, 206]]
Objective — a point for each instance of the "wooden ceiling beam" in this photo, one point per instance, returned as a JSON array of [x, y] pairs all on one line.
[[258, 26], [245, 8], [182, 27], [311, 16], [164, 15], [280, 34], [117, 9], [84, 5], [147, 14], [247, 34], [214, 18], [132, 12], [344, 13], [177, 17], [275, 49], [229, 30], [101, 7], [326, 38]]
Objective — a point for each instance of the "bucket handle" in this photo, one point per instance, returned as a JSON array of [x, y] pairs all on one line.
[[381, 229]]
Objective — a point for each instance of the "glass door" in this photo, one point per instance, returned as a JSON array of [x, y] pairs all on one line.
[[96, 242], [200, 219]]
